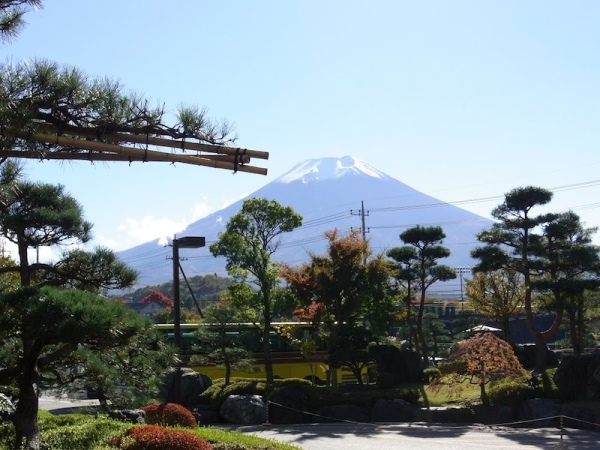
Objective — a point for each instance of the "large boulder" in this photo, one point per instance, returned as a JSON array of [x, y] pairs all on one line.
[[244, 409], [540, 412], [396, 410], [204, 414], [288, 405], [192, 385], [579, 417], [525, 353], [579, 375]]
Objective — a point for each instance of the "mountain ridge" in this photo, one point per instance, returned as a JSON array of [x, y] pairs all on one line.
[[329, 193]]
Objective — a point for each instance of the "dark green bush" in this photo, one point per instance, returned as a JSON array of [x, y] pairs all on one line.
[[510, 393], [386, 380], [170, 415], [77, 431], [318, 396]]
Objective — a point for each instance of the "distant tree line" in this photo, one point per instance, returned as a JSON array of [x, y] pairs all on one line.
[[206, 290]]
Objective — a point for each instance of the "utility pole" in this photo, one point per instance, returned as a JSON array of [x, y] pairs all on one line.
[[460, 271], [362, 215], [184, 242]]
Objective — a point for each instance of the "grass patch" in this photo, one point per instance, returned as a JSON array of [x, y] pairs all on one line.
[[233, 440], [463, 393], [87, 432]]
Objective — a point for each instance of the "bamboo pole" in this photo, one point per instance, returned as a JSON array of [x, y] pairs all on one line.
[[123, 152], [161, 142], [153, 156]]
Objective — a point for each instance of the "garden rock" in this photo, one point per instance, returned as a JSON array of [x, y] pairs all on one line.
[[244, 409], [448, 415], [192, 385], [539, 412], [396, 410], [204, 414], [579, 417], [136, 416], [493, 414], [288, 405], [580, 376]]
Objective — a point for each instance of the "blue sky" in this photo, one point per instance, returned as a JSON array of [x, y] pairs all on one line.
[[460, 100]]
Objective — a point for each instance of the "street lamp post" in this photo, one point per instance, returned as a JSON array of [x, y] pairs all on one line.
[[183, 242]]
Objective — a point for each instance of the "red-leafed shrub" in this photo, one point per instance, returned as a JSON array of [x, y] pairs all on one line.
[[169, 414], [154, 437]]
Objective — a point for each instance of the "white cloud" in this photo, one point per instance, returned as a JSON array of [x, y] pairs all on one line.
[[148, 228], [200, 210]]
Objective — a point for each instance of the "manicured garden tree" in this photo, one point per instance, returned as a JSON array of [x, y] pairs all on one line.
[[125, 376], [56, 309], [481, 359], [217, 345], [43, 328], [417, 264], [351, 286], [497, 295], [248, 242], [552, 251]]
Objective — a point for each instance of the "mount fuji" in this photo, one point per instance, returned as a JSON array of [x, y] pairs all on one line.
[[328, 193]]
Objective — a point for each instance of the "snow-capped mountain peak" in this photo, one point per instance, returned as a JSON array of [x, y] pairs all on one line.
[[329, 169]]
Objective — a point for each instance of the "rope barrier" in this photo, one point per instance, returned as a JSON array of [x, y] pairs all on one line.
[[561, 418]]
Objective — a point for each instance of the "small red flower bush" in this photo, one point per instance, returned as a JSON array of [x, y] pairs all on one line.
[[154, 437], [170, 415]]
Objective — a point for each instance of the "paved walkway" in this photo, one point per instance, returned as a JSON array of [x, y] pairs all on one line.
[[422, 436]]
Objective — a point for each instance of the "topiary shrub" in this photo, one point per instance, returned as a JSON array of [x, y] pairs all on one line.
[[429, 373], [215, 395], [154, 437], [169, 414], [510, 393]]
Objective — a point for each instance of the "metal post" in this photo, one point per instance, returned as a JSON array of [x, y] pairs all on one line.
[[176, 322], [460, 271], [184, 242]]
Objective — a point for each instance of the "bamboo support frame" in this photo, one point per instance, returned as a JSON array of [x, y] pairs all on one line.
[[112, 152], [171, 143]]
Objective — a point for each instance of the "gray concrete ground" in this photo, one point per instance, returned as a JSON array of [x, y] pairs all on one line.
[[422, 436]]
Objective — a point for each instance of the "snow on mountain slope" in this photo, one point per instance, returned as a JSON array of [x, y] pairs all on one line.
[[327, 169], [329, 193]]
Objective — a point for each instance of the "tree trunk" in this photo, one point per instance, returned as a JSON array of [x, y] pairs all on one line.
[[26, 413], [540, 353], [267, 351], [580, 324], [421, 333], [506, 329], [574, 335]]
